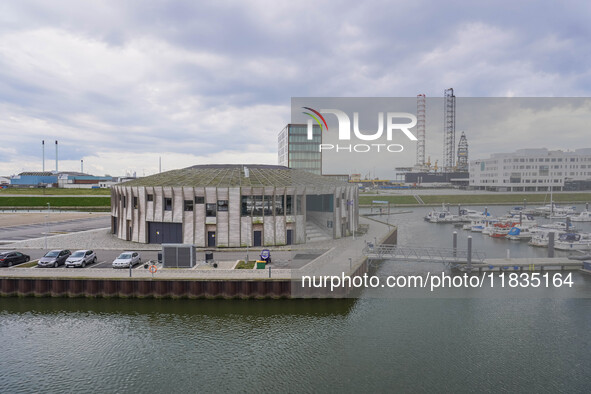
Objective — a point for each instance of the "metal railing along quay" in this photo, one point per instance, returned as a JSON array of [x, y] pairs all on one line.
[[447, 256]]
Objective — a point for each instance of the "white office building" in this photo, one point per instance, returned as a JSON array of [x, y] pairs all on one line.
[[530, 170]]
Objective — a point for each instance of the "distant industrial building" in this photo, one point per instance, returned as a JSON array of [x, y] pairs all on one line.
[[297, 151], [67, 180], [533, 170], [233, 206]]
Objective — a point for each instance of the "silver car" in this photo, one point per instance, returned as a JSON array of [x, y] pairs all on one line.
[[127, 259], [54, 258], [80, 258]]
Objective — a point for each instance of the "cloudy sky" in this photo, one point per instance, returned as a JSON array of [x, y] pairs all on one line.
[[122, 83]]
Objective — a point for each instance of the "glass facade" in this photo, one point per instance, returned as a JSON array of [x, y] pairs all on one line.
[[296, 151]]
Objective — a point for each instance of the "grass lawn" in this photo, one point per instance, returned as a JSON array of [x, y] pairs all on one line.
[[366, 200], [27, 265], [56, 202], [479, 199], [55, 192], [244, 266]]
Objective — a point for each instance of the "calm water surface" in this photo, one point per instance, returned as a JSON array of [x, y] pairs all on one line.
[[489, 343]]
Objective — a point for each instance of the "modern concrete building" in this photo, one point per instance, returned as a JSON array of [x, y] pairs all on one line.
[[233, 206], [531, 170], [297, 151]]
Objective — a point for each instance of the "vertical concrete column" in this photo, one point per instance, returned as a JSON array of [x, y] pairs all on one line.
[[469, 257], [551, 244]]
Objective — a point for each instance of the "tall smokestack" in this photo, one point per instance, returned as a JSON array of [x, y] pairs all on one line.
[[43, 150], [55, 155], [82, 166]]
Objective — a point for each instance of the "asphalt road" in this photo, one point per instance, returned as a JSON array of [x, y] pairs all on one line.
[[28, 231], [284, 259]]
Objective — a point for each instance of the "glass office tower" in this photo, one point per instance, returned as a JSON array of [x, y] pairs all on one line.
[[296, 151]]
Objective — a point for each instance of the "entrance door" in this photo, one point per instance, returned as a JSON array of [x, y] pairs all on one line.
[[258, 238], [211, 239], [288, 238]]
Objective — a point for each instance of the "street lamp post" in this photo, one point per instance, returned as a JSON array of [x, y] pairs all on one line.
[[47, 224]]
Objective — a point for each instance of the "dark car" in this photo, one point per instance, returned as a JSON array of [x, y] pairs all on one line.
[[54, 258], [8, 259]]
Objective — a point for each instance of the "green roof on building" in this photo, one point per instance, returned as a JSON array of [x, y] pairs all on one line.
[[234, 175]]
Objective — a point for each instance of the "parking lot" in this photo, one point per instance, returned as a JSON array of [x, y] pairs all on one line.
[[284, 259]]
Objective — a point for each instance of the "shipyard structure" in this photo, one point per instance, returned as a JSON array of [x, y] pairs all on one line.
[[233, 206]]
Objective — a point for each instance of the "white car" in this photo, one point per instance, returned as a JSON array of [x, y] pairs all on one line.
[[127, 259], [80, 258]]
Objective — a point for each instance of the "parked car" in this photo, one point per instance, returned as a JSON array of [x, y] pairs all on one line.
[[54, 258], [10, 258], [80, 258], [127, 259]]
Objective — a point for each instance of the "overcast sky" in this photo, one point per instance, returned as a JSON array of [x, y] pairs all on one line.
[[121, 83]]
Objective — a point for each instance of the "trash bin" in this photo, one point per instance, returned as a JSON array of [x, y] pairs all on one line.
[[208, 255], [159, 257], [261, 264]]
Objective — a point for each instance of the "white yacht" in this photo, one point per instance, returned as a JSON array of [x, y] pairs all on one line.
[[584, 216], [573, 241], [563, 226], [540, 236], [520, 232]]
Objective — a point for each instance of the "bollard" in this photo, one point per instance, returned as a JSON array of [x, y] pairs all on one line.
[[130, 269], [455, 243], [469, 257], [350, 264], [551, 244], [269, 271]]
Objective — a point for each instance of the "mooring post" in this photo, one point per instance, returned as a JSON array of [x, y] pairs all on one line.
[[568, 223], [551, 244], [469, 265], [269, 271], [520, 218], [455, 243]]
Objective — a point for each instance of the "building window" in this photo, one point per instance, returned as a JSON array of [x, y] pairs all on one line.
[[124, 201], [289, 205], [167, 204], [268, 206], [279, 205], [188, 206], [210, 210], [222, 205], [150, 197], [199, 200], [135, 203]]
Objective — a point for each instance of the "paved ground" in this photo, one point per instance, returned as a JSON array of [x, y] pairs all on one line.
[[21, 218], [283, 259], [324, 258], [34, 230]]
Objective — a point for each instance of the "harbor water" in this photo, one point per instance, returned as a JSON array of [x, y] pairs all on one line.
[[447, 344]]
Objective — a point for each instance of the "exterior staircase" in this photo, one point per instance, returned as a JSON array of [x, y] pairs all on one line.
[[314, 233]]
